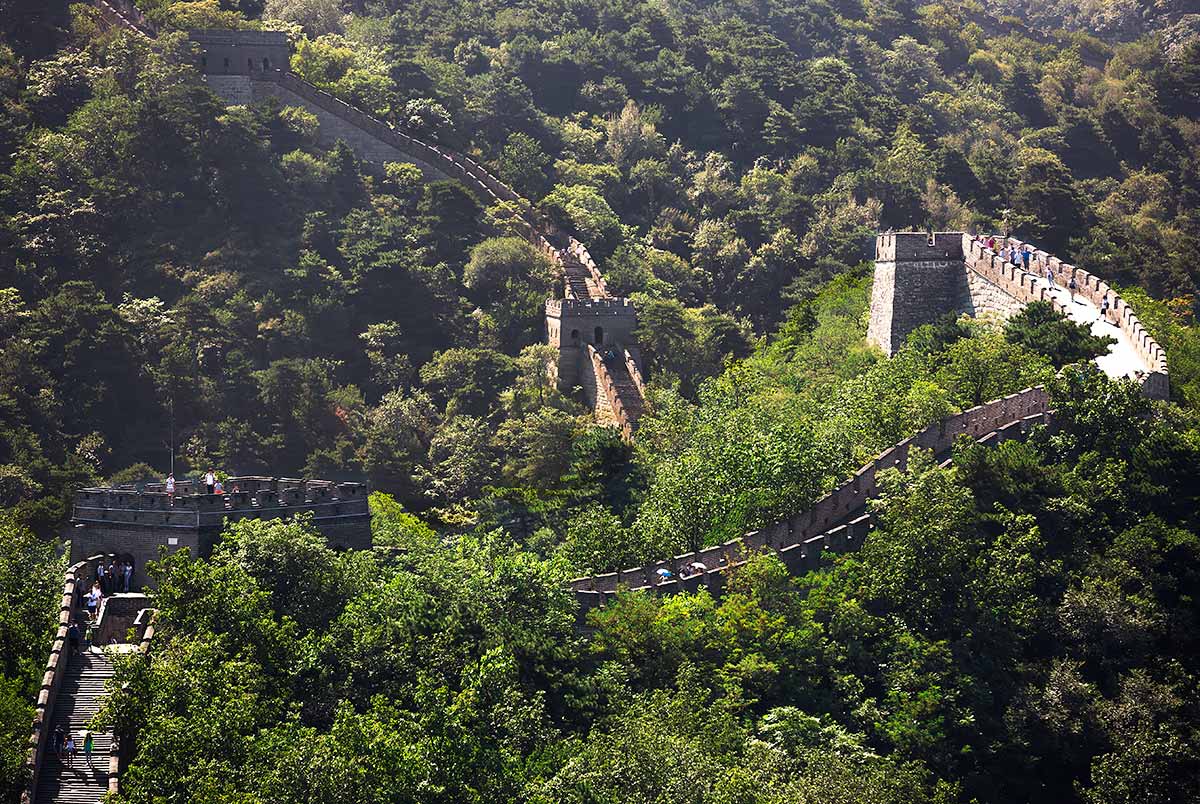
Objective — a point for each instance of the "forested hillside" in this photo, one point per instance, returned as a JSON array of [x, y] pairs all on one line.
[[175, 273]]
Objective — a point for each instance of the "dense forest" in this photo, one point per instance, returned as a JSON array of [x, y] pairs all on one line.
[[181, 277]]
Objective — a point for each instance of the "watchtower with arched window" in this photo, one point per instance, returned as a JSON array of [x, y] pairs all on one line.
[[241, 52], [573, 324]]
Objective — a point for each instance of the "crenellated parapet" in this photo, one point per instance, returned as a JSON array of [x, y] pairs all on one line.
[[125, 15], [838, 522], [136, 524], [1154, 376], [920, 277], [78, 577]]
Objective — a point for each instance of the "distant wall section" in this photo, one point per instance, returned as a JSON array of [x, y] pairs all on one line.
[[136, 525]]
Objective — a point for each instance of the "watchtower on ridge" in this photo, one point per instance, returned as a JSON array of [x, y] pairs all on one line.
[[241, 52], [573, 324], [134, 524], [918, 277]]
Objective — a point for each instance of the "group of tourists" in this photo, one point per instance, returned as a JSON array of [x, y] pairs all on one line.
[[111, 578], [66, 746], [212, 484], [1022, 258], [689, 571], [116, 576]]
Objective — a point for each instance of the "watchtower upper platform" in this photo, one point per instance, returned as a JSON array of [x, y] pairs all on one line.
[[919, 246], [135, 523], [241, 52]]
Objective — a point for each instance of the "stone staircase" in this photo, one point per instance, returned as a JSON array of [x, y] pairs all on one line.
[[579, 281], [78, 700], [627, 390], [577, 287]]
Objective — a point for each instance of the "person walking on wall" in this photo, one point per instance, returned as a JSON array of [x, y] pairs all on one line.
[[1026, 256], [93, 599], [57, 742], [1050, 277], [210, 480], [88, 745], [1071, 287], [171, 489], [73, 637], [69, 749], [100, 577], [1104, 308], [129, 576]]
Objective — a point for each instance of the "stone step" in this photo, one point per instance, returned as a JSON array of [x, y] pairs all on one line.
[[80, 696]]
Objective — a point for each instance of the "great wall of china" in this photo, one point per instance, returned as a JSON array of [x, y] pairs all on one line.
[[592, 330], [82, 681], [918, 278]]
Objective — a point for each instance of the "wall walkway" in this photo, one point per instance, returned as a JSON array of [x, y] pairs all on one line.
[[70, 689], [837, 522], [1136, 355]]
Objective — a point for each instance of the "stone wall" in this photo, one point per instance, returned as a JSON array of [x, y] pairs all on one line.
[[117, 615], [333, 126], [916, 282], [607, 398], [988, 298], [136, 525], [241, 52], [1156, 381], [580, 252], [796, 537], [124, 15], [1011, 279], [235, 90], [571, 326], [918, 278], [77, 575], [138, 544]]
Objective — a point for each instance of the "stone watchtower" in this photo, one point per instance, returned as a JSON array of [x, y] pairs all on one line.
[[229, 60], [918, 278], [135, 525], [572, 324]]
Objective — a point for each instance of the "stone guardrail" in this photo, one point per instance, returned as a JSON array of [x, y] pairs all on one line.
[[1009, 277], [56, 668], [118, 757], [211, 510], [1156, 381], [124, 15], [1009, 417], [635, 373], [117, 611], [620, 415], [580, 252], [452, 163]]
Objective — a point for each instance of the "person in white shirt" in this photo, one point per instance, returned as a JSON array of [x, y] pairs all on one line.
[[210, 480], [171, 485]]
